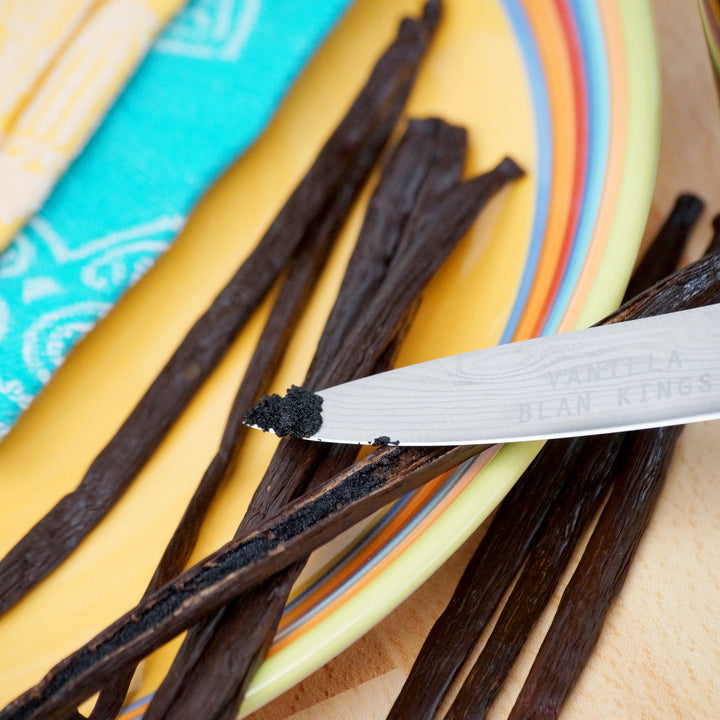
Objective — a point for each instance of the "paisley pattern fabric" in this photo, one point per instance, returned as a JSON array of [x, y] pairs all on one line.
[[205, 90]]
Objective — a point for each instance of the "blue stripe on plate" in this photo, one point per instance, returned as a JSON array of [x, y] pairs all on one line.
[[544, 141]]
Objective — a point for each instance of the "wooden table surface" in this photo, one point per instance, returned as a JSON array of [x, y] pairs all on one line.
[[659, 656]]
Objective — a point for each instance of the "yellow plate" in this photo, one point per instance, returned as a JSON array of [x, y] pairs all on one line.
[[569, 89]]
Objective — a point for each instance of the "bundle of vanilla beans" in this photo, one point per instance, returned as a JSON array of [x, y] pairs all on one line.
[[540, 523], [230, 603]]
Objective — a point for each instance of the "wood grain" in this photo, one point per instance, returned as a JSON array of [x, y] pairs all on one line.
[[659, 655]]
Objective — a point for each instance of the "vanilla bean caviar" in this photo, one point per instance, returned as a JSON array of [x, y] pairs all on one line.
[[297, 414]]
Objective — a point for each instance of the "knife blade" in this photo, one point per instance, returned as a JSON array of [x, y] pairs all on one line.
[[651, 372]]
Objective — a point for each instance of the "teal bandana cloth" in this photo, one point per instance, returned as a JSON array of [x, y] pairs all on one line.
[[206, 89]]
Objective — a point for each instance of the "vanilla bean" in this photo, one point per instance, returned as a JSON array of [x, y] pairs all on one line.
[[446, 222], [348, 156], [714, 245], [215, 663], [663, 255], [599, 576], [571, 510], [693, 286], [497, 560], [389, 207], [219, 657]]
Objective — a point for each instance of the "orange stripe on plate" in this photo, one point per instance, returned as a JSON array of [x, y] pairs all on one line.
[[615, 46], [136, 713]]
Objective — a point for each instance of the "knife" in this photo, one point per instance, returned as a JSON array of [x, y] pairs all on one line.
[[650, 372]]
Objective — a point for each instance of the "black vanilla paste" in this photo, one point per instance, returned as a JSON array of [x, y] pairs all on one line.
[[298, 414]]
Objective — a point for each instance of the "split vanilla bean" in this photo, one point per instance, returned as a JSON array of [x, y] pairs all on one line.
[[328, 189], [304, 525]]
